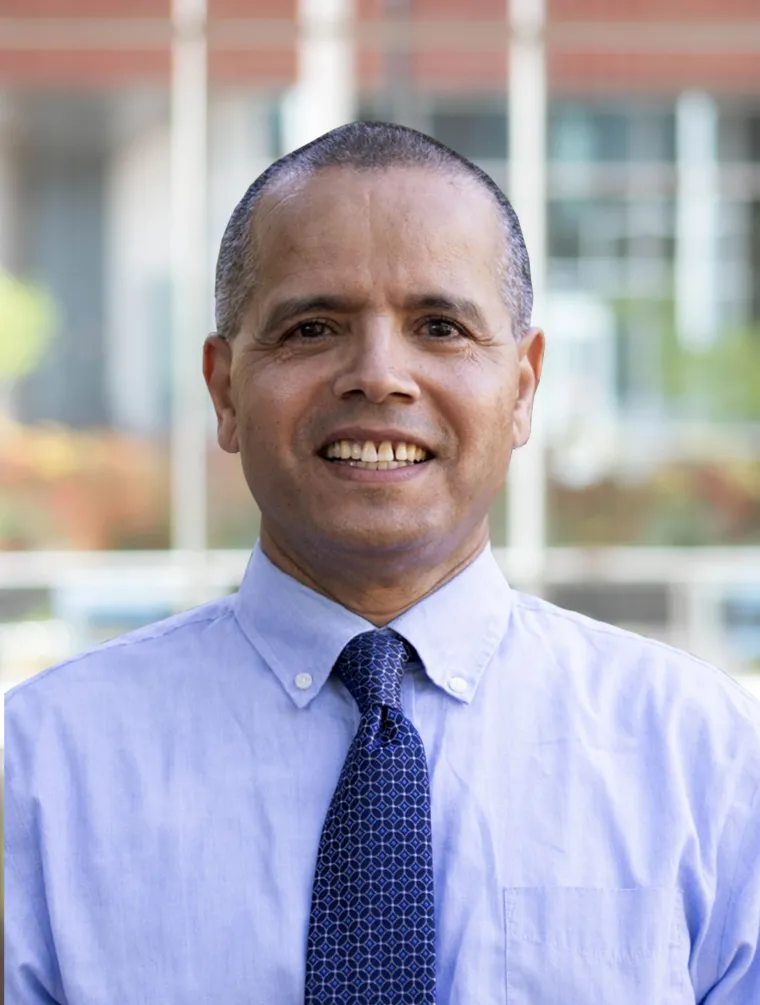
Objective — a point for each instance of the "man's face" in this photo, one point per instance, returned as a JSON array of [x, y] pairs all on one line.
[[378, 322]]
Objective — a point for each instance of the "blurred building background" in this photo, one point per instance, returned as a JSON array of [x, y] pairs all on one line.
[[627, 132]]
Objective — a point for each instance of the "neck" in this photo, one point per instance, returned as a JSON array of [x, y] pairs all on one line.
[[378, 588]]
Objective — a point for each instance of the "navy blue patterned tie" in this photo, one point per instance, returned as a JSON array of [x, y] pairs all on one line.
[[372, 927]]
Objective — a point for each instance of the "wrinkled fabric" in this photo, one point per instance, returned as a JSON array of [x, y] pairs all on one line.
[[595, 805]]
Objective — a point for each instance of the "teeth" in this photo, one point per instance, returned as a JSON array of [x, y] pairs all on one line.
[[369, 452], [384, 456]]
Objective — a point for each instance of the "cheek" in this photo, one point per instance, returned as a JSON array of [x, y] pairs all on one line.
[[272, 412], [259, 403], [483, 418], [257, 431]]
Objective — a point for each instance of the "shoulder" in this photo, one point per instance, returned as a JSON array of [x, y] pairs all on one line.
[[141, 657], [604, 661]]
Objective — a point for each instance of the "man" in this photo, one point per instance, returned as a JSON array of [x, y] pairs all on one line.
[[377, 774]]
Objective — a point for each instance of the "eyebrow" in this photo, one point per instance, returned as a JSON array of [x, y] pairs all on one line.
[[294, 307], [459, 306]]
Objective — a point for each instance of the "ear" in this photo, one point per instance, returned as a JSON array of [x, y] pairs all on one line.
[[530, 353], [217, 369]]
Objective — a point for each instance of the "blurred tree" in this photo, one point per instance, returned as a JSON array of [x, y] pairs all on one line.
[[719, 381], [715, 382], [27, 324]]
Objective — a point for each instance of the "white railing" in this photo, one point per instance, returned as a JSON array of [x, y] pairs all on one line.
[[696, 581]]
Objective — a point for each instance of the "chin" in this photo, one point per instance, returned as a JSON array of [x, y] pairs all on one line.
[[375, 538]]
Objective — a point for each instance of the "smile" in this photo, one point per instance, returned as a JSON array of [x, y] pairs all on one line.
[[370, 456]]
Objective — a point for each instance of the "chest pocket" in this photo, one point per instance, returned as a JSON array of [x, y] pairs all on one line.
[[592, 946]]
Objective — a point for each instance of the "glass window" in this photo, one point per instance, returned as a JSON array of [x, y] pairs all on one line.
[[739, 133], [587, 228], [652, 137], [478, 132], [754, 261], [83, 456], [586, 132], [579, 133], [753, 137]]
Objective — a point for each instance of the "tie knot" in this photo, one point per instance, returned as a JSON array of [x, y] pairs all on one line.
[[372, 666]]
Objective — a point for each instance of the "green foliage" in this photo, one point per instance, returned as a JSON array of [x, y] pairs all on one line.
[[721, 380], [716, 382], [27, 325]]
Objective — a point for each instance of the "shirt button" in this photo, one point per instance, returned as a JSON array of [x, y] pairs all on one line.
[[458, 685], [304, 681]]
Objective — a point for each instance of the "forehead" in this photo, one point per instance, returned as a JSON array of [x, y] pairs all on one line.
[[398, 226]]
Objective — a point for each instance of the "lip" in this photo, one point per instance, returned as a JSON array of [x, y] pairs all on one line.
[[361, 434], [372, 476]]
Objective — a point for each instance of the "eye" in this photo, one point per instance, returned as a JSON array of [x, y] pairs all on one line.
[[309, 331], [442, 329]]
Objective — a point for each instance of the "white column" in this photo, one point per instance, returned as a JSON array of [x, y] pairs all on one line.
[[137, 264], [239, 151], [696, 259], [526, 519], [191, 282], [324, 96]]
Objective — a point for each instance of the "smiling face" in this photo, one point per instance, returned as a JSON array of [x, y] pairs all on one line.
[[378, 320]]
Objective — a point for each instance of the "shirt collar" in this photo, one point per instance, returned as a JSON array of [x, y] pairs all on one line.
[[299, 632]]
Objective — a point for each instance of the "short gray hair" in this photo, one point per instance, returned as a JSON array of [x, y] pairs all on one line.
[[363, 146]]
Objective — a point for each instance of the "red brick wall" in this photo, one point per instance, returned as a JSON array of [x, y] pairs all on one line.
[[446, 65], [659, 73], [652, 10], [601, 10], [252, 8], [459, 9], [85, 8], [67, 69]]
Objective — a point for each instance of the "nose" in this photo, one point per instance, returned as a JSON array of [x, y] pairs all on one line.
[[378, 365]]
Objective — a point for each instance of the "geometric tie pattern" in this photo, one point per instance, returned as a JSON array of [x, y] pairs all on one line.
[[372, 925]]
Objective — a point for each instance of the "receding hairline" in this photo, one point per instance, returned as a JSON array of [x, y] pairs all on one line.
[[364, 147], [292, 182]]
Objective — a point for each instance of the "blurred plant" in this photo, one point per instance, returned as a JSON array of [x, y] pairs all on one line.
[[679, 504], [63, 488], [98, 489], [28, 319], [718, 381], [721, 380]]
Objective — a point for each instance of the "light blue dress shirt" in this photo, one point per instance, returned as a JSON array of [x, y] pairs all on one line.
[[596, 806]]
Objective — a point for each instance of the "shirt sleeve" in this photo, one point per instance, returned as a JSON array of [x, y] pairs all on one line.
[[31, 970], [739, 959]]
